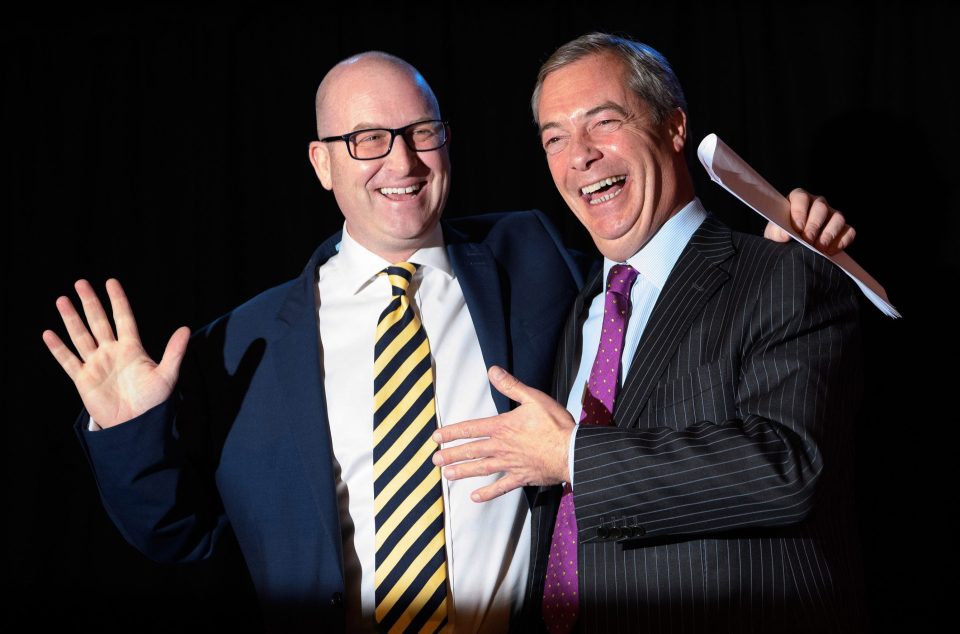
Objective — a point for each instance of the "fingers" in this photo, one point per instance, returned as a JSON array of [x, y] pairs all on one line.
[[504, 485], [820, 224], [845, 239], [122, 313], [808, 213], [474, 469], [799, 205], [466, 451], [93, 310], [81, 338], [67, 360], [169, 365], [510, 386], [834, 233], [478, 428], [773, 232]]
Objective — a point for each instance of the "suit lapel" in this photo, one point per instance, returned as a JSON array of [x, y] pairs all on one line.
[[694, 279], [479, 279], [297, 365], [568, 356], [569, 351]]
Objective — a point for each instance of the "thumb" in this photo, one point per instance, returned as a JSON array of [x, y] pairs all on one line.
[[773, 232], [510, 386], [169, 365]]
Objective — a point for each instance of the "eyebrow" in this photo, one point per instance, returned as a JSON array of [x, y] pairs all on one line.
[[606, 105]]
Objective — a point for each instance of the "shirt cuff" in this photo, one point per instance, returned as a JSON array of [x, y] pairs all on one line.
[[573, 444]]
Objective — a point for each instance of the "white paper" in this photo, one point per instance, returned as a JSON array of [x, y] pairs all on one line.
[[734, 174]]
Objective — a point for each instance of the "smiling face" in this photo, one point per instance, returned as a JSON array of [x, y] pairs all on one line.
[[621, 173], [391, 204]]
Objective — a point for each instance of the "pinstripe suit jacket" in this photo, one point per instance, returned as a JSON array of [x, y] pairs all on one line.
[[720, 500]]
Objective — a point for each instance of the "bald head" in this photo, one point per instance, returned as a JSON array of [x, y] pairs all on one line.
[[368, 66], [391, 203]]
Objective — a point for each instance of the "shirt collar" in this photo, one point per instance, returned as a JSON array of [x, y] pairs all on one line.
[[360, 266], [656, 259]]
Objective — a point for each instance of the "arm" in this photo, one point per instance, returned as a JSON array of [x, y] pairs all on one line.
[[795, 379], [759, 468], [162, 503]]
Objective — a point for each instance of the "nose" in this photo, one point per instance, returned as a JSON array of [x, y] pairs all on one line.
[[401, 158], [583, 152]]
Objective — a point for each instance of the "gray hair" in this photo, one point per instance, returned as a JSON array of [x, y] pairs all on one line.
[[650, 76]]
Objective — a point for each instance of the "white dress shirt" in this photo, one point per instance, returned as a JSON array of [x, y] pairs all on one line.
[[488, 545], [654, 262]]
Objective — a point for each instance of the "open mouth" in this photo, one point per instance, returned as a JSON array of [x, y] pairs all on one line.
[[402, 193], [604, 189]]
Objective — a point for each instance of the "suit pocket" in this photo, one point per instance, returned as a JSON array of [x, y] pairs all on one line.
[[704, 394]]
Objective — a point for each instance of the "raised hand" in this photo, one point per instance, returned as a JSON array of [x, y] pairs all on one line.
[[823, 226], [529, 444], [114, 376]]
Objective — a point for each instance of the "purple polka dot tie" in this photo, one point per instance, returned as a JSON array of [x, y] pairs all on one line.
[[561, 601]]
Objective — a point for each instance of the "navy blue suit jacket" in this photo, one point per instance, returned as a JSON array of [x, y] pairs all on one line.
[[244, 441]]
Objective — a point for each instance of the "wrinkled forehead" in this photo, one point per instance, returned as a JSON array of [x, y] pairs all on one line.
[[585, 87]]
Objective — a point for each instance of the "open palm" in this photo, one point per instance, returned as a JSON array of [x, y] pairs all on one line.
[[114, 376]]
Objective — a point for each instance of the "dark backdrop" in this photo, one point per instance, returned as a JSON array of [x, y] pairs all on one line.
[[167, 147]]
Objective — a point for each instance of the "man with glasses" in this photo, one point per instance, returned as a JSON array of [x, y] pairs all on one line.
[[303, 418]]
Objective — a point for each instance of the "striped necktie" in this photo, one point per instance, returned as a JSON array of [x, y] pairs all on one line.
[[411, 567]]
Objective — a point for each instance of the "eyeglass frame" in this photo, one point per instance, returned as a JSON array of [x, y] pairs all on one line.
[[394, 133]]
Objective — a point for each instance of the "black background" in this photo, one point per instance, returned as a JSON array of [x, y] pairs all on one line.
[[167, 147]]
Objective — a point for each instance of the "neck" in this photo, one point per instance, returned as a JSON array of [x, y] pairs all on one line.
[[400, 250]]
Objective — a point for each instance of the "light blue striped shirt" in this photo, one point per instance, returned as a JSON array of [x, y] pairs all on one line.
[[654, 262]]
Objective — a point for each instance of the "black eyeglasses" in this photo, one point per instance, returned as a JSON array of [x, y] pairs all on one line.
[[374, 143]]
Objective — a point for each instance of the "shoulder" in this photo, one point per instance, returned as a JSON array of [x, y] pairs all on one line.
[[758, 259], [519, 240], [264, 313], [250, 320], [793, 263], [789, 286], [500, 225], [765, 271]]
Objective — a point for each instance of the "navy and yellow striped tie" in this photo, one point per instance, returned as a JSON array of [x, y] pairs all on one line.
[[411, 566]]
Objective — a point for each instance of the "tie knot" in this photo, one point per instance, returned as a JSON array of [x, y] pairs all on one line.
[[400, 275], [621, 278]]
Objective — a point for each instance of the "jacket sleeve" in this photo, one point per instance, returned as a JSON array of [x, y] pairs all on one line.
[[155, 476], [790, 389]]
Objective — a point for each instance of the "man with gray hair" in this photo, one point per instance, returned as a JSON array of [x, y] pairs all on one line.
[[707, 383], [301, 420]]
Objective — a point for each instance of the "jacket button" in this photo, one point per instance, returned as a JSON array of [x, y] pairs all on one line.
[[336, 599]]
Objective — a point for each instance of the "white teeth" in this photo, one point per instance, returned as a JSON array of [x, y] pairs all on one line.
[[605, 197], [589, 189], [399, 190]]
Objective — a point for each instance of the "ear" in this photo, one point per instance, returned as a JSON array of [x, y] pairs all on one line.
[[677, 129], [320, 159]]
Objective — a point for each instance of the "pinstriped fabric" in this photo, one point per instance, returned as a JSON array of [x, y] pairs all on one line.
[[732, 452], [411, 571]]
